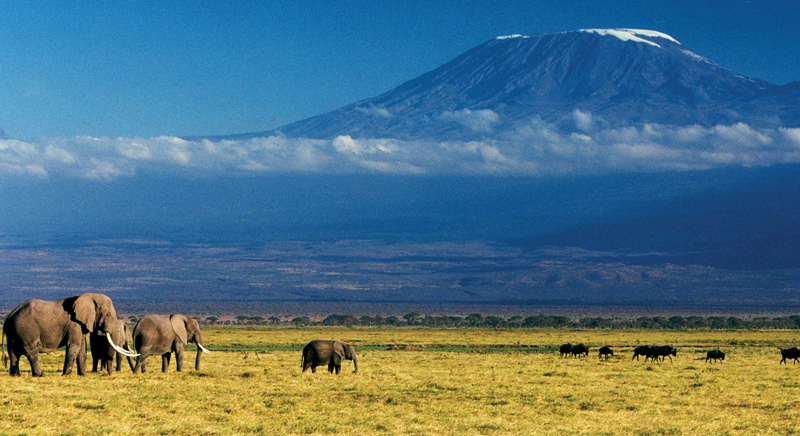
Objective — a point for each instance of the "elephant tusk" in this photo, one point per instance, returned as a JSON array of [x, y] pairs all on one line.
[[118, 349], [203, 349]]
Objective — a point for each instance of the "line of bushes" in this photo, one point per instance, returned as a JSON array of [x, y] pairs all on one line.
[[537, 321]]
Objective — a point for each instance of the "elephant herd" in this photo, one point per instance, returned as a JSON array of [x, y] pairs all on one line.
[[39, 326]]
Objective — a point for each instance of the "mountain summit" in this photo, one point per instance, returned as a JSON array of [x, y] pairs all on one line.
[[620, 77]]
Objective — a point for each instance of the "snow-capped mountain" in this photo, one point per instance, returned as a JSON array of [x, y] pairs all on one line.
[[618, 76]]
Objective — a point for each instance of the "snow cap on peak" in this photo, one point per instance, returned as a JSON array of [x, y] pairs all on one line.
[[516, 35], [635, 35]]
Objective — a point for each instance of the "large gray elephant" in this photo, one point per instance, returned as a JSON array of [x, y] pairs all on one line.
[[39, 326], [104, 354], [331, 353], [164, 334]]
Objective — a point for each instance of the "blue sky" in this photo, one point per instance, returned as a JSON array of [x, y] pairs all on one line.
[[145, 69]]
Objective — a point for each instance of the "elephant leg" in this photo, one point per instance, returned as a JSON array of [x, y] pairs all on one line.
[[69, 358], [110, 365], [81, 357], [140, 359], [306, 360], [33, 359], [179, 358], [334, 364], [13, 363], [95, 361], [165, 361]]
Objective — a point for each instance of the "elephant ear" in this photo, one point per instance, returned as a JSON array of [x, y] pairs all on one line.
[[338, 349], [85, 311], [179, 326]]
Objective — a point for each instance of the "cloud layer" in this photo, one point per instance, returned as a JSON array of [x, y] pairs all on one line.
[[534, 149]]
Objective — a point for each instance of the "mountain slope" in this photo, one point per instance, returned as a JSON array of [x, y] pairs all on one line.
[[620, 77]]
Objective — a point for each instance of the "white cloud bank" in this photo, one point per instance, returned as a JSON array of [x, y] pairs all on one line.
[[478, 121], [535, 149]]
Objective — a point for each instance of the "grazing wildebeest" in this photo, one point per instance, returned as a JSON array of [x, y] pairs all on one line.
[[579, 349], [662, 352], [715, 355], [790, 353], [565, 349], [605, 351], [641, 350]]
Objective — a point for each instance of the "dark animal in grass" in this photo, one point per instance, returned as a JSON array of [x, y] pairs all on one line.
[[605, 352], [662, 352], [715, 355], [790, 353], [641, 350], [580, 349], [39, 326], [565, 350], [331, 353]]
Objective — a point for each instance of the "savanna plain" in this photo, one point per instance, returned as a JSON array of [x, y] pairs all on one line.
[[427, 381]]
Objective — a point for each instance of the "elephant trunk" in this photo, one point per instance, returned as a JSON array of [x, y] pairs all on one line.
[[198, 340], [355, 363]]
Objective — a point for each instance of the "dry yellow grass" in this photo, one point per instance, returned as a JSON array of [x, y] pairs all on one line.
[[419, 389]]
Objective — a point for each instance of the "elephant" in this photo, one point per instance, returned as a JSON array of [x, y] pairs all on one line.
[[318, 353], [39, 326], [104, 354], [163, 335]]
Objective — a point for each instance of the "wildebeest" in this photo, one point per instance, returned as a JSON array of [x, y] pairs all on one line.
[[605, 351], [790, 353], [579, 349], [641, 350], [715, 355], [654, 352], [662, 352], [565, 349]]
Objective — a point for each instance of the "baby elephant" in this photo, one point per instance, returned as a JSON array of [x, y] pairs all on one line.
[[331, 353], [715, 355]]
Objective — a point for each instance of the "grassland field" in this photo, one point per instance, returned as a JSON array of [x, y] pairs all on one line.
[[427, 382]]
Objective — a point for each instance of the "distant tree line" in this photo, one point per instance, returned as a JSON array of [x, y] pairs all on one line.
[[537, 321]]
